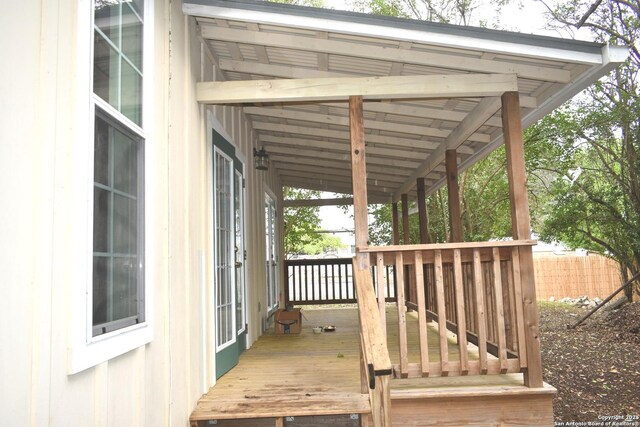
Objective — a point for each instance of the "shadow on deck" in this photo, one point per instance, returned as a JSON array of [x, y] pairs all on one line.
[[314, 379]]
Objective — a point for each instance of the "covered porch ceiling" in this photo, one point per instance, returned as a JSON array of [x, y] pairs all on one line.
[[427, 88]]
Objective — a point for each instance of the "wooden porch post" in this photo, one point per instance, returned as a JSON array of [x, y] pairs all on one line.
[[410, 277], [422, 212], [395, 224], [406, 238], [453, 190], [359, 178], [512, 129], [381, 396]]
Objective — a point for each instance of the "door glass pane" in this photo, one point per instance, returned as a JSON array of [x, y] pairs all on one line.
[[239, 252], [271, 252], [225, 261]]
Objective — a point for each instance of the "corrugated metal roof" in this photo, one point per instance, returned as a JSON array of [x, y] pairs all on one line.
[[308, 142]]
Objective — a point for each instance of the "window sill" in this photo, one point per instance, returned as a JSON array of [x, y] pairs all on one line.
[[86, 355]]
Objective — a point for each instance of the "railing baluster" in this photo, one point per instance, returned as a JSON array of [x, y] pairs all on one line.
[[340, 279], [402, 321], [480, 303], [442, 317], [422, 315], [517, 289], [381, 291], [497, 284], [462, 324]]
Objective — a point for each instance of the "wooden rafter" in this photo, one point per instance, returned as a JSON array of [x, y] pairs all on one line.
[[285, 113], [485, 109], [431, 59]]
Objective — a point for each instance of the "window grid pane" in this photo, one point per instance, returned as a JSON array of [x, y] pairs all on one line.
[[117, 59], [118, 294]]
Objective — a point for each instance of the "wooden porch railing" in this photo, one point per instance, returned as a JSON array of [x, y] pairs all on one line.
[[471, 289], [376, 365], [329, 281]]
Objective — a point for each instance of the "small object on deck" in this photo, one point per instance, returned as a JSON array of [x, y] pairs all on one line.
[[288, 322], [317, 329], [329, 328]]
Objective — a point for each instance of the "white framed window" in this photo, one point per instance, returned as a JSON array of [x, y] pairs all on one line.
[[113, 317]]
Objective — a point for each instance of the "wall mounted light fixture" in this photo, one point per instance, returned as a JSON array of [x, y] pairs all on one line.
[[261, 159]]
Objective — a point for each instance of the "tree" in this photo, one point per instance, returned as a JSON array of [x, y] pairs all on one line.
[[301, 224], [310, 3], [596, 190], [325, 244]]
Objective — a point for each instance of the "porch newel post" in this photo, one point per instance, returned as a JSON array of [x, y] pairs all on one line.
[[453, 191], [395, 223], [422, 211], [512, 129]]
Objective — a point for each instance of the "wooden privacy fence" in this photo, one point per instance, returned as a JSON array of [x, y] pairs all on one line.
[[327, 281], [472, 289], [574, 276]]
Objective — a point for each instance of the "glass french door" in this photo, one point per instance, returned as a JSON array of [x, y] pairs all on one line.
[[271, 238], [229, 276]]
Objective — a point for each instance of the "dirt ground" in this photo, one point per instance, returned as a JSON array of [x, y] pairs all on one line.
[[595, 367]]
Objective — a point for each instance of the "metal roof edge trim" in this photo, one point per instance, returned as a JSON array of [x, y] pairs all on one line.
[[446, 35]]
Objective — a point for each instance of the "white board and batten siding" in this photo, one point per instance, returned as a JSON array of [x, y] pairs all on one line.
[[45, 159]]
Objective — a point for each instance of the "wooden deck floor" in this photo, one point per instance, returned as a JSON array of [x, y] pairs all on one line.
[[319, 374]]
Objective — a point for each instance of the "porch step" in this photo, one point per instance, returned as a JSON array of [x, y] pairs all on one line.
[[280, 403], [502, 400], [344, 420]]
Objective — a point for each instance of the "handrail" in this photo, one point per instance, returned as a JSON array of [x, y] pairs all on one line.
[[378, 368], [371, 325], [474, 289], [448, 246]]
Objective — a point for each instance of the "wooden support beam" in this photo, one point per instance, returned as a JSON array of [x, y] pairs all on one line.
[[483, 111], [406, 235], [410, 279], [359, 178], [340, 201], [293, 72], [341, 88], [422, 212], [512, 128], [453, 191], [395, 224]]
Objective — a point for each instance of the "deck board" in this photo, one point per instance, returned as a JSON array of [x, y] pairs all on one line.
[[318, 374]]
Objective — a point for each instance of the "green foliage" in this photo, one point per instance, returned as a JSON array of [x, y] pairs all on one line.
[[382, 7], [325, 244], [301, 224], [310, 3], [596, 143]]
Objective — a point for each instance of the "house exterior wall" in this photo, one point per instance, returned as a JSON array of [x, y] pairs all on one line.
[[45, 158]]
